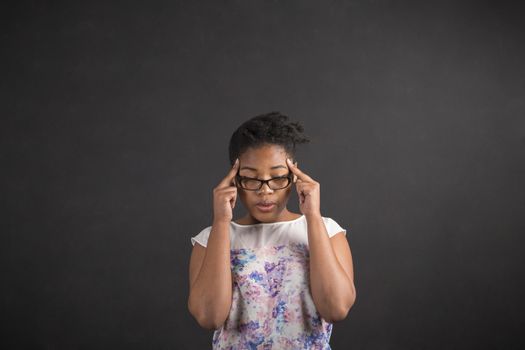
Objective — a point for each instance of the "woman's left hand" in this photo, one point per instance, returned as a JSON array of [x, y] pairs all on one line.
[[308, 191]]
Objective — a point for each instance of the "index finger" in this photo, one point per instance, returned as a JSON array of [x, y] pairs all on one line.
[[302, 176], [227, 181]]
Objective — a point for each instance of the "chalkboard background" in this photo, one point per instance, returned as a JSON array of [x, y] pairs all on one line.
[[116, 118]]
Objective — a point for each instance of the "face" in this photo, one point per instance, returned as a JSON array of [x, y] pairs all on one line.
[[265, 163]]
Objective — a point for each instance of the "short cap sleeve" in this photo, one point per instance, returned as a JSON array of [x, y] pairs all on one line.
[[332, 227], [202, 237]]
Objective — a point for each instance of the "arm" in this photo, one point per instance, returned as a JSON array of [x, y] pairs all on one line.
[[331, 271], [210, 294]]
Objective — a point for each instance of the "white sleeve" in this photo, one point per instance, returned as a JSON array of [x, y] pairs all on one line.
[[332, 227], [202, 237]]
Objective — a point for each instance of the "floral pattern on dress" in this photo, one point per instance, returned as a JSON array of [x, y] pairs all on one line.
[[272, 306]]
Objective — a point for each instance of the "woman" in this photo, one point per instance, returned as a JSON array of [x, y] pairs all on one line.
[[272, 279]]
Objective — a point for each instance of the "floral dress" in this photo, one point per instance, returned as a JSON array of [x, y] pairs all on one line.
[[272, 305]]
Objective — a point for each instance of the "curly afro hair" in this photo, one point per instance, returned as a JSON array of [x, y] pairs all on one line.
[[270, 128]]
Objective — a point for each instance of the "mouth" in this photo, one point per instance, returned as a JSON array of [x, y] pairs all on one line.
[[265, 206]]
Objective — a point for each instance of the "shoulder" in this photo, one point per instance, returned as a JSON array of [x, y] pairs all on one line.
[[201, 237], [204, 234], [333, 227]]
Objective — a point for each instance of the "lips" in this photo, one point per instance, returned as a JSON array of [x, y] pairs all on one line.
[[265, 206], [265, 203]]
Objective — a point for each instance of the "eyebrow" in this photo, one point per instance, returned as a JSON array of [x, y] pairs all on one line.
[[274, 167]]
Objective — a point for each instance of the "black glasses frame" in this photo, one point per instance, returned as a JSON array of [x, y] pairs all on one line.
[[239, 179]]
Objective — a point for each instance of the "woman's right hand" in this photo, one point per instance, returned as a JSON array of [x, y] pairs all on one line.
[[225, 195]]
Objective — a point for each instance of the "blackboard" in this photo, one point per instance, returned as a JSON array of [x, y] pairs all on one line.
[[116, 118]]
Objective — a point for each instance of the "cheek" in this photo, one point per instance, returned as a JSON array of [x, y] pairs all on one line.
[[285, 194], [242, 195], [247, 197]]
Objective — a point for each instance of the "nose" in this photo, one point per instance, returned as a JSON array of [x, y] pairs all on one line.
[[265, 188]]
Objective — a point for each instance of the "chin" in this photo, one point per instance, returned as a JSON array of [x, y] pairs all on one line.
[[265, 215]]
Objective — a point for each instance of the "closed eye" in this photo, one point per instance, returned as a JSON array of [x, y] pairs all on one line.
[[254, 178]]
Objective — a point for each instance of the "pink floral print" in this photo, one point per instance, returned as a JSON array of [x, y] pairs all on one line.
[[272, 306]]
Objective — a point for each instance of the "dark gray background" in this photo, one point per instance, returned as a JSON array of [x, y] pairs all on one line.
[[116, 119]]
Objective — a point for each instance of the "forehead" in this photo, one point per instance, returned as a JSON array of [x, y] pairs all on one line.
[[269, 157]]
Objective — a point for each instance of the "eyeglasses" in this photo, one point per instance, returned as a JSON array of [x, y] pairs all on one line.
[[253, 184]]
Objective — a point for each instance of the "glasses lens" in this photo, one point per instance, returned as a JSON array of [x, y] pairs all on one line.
[[254, 184], [250, 184], [277, 184]]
